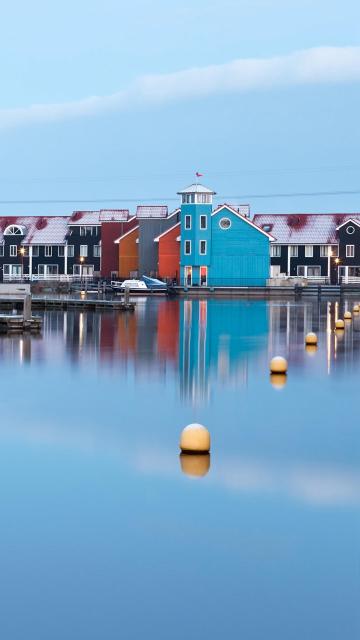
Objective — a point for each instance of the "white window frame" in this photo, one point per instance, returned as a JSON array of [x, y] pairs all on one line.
[[1, 250], [203, 217], [97, 250], [61, 251], [324, 251], [83, 250], [35, 250], [309, 251], [187, 222], [13, 250], [294, 250], [275, 250], [202, 253], [48, 251], [334, 250], [187, 244], [350, 251], [83, 231], [70, 250]]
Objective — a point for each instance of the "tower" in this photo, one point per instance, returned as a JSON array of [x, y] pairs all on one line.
[[195, 251]]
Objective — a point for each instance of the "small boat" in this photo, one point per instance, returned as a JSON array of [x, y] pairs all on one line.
[[132, 285], [154, 284]]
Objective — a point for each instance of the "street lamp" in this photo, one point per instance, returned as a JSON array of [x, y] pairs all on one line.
[[22, 254], [82, 260]]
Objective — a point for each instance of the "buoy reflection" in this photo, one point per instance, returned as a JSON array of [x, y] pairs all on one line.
[[195, 465], [311, 349], [278, 380]]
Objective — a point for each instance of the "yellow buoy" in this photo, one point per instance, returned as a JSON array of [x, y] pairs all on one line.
[[311, 338], [278, 364], [195, 439], [347, 315], [278, 380], [339, 324], [311, 348], [356, 308], [195, 465]]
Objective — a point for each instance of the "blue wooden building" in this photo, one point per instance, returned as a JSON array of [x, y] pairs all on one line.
[[220, 247]]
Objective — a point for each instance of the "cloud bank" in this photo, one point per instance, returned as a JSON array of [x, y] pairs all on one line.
[[321, 65]]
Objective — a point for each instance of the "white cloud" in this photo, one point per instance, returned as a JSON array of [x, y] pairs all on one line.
[[321, 65]]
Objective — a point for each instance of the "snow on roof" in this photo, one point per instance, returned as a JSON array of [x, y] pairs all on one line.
[[113, 215], [85, 218], [38, 229], [196, 188], [151, 211], [304, 228]]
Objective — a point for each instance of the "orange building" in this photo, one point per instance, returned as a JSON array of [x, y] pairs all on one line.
[[169, 253], [129, 253]]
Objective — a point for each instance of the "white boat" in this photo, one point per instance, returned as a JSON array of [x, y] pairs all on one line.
[[132, 285]]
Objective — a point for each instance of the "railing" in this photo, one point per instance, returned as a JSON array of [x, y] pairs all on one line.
[[54, 278]]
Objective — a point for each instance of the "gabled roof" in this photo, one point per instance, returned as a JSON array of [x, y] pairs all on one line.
[[151, 211], [196, 188], [305, 228], [113, 215], [38, 229], [84, 218], [126, 234], [244, 218], [356, 222], [166, 232]]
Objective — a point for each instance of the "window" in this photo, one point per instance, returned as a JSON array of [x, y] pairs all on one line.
[[14, 230], [83, 250], [324, 251], [83, 231], [293, 251], [202, 248], [70, 250], [76, 269], [1, 250], [188, 222], [350, 250], [48, 251], [313, 272], [334, 250], [203, 198], [61, 252], [225, 223], [97, 251], [354, 272], [203, 222], [35, 251], [301, 270], [188, 198], [13, 250], [309, 251], [275, 250], [350, 230], [187, 250]]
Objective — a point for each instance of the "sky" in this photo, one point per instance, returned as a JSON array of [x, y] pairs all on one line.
[[110, 104]]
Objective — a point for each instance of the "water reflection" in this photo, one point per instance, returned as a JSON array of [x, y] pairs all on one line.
[[202, 342]]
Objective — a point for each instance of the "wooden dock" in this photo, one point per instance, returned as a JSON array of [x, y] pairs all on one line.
[[19, 324], [44, 303]]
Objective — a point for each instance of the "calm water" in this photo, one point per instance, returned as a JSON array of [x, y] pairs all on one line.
[[104, 532]]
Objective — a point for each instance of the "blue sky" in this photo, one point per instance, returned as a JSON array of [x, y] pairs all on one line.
[[288, 123]]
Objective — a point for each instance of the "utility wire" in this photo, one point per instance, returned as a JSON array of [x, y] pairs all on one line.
[[223, 198]]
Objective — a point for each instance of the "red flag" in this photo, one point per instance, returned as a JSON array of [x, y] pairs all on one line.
[[199, 175]]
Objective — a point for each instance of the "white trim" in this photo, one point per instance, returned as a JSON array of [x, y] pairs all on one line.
[[187, 253], [167, 231], [125, 234], [252, 224], [200, 252], [352, 220], [348, 255]]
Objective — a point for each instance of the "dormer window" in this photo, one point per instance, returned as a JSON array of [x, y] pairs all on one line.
[[14, 230]]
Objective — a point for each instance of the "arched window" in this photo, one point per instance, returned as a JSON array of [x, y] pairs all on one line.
[[14, 230]]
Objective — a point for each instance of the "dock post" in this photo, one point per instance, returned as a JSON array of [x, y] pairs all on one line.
[[126, 296], [27, 307]]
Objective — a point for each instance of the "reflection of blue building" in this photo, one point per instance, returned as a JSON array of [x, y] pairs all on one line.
[[220, 247], [217, 339]]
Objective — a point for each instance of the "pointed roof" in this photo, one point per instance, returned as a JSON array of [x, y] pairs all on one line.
[[196, 188]]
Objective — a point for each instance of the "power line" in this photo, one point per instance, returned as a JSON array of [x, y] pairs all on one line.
[[223, 198]]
